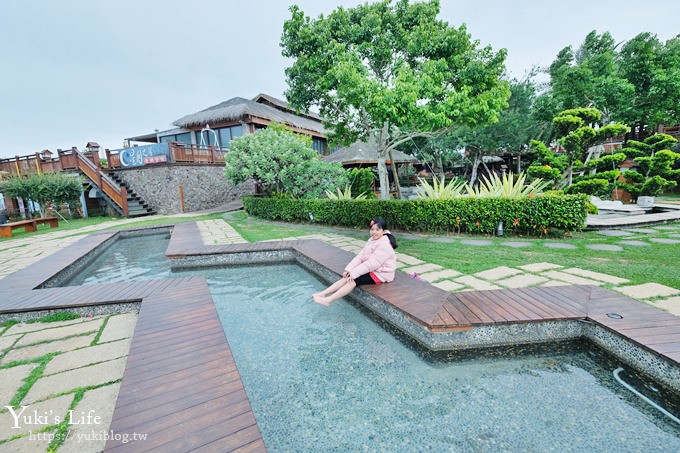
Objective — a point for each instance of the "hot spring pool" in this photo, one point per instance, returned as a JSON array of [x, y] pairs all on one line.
[[340, 379], [127, 259]]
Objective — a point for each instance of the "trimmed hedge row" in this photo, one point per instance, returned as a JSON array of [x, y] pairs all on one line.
[[539, 215]]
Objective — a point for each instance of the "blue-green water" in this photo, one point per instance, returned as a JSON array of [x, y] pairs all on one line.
[[338, 379], [127, 260]]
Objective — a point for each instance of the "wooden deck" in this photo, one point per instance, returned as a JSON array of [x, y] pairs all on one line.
[[181, 386]]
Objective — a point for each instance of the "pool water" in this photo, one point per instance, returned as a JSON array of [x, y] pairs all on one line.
[[128, 259], [339, 379]]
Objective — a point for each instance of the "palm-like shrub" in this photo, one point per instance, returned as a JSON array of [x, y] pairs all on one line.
[[440, 190], [344, 194], [506, 187]]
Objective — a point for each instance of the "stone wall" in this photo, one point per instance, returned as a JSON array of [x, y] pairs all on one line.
[[203, 186]]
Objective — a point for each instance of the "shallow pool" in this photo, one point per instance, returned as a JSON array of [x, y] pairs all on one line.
[[127, 259], [339, 379]]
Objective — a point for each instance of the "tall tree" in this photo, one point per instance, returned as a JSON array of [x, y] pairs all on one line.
[[391, 72], [653, 69], [589, 77], [516, 127]]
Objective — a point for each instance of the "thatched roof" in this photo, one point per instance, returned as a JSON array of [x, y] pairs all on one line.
[[364, 153], [236, 109]]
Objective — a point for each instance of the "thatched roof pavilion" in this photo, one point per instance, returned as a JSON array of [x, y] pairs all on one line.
[[364, 154]]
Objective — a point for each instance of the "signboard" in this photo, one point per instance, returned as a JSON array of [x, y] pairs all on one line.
[[144, 155]]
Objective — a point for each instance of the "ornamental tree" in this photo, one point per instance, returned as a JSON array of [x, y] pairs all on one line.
[[281, 162], [391, 72], [578, 133]]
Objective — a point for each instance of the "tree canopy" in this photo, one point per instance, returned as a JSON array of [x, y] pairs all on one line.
[[281, 162], [635, 83], [390, 72]]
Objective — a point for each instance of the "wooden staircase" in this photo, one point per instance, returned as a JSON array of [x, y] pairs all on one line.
[[115, 192]]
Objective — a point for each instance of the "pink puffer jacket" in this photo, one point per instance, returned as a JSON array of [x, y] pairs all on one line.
[[377, 257]]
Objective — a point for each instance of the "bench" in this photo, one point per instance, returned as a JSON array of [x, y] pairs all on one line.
[[28, 225]]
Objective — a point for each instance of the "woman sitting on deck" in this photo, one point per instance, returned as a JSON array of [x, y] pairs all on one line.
[[374, 265]]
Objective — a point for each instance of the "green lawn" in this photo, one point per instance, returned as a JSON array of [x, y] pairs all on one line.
[[655, 263]]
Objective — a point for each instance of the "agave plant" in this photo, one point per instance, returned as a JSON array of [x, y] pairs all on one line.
[[506, 186], [345, 195], [440, 190]]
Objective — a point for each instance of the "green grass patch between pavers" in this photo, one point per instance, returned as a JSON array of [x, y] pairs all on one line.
[[4, 326], [55, 317], [62, 428], [31, 379], [101, 330], [253, 229]]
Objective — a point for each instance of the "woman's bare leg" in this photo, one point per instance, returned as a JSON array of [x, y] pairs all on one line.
[[341, 292]]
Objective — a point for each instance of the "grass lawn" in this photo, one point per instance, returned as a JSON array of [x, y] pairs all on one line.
[[654, 263]]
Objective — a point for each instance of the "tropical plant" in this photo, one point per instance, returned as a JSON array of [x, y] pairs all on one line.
[[440, 190], [344, 194], [507, 186], [389, 72], [281, 162]]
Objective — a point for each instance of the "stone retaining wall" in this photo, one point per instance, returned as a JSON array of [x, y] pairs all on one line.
[[203, 186]]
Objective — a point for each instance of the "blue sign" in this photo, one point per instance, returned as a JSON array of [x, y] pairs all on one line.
[[144, 155]]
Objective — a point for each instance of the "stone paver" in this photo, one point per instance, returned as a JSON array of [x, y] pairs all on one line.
[[444, 239], [39, 350], [522, 281], [11, 380], [643, 230], [60, 332], [476, 242], [555, 283], [28, 444], [82, 377], [85, 438], [569, 278], [448, 285], [217, 231], [614, 233], [440, 275], [119, 326], [596, 276], [605, 247], [498, 273], [674, 235], [647, 290], [636, 243], [24, 327], [87, 356], [671, 305], [665, 241], [475, 283], [667, 227], [48, 410], [539, 267], [6, 342], [559, 245], [517, 244], [408, 259], [422, 268]]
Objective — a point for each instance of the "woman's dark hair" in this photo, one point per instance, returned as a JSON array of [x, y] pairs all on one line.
[[383, 226]]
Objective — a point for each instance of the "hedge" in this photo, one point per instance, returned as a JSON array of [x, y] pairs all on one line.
[[536, 216]]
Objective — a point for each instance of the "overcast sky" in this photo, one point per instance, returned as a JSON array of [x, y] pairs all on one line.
[[78, 71]]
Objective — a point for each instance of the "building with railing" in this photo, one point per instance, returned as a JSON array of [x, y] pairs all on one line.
[[216, 126]]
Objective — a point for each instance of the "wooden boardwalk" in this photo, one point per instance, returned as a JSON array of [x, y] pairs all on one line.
[[181, 386]]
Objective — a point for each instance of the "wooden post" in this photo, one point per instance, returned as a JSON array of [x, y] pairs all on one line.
[[16, 164], [37, 163], [181, 197]]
